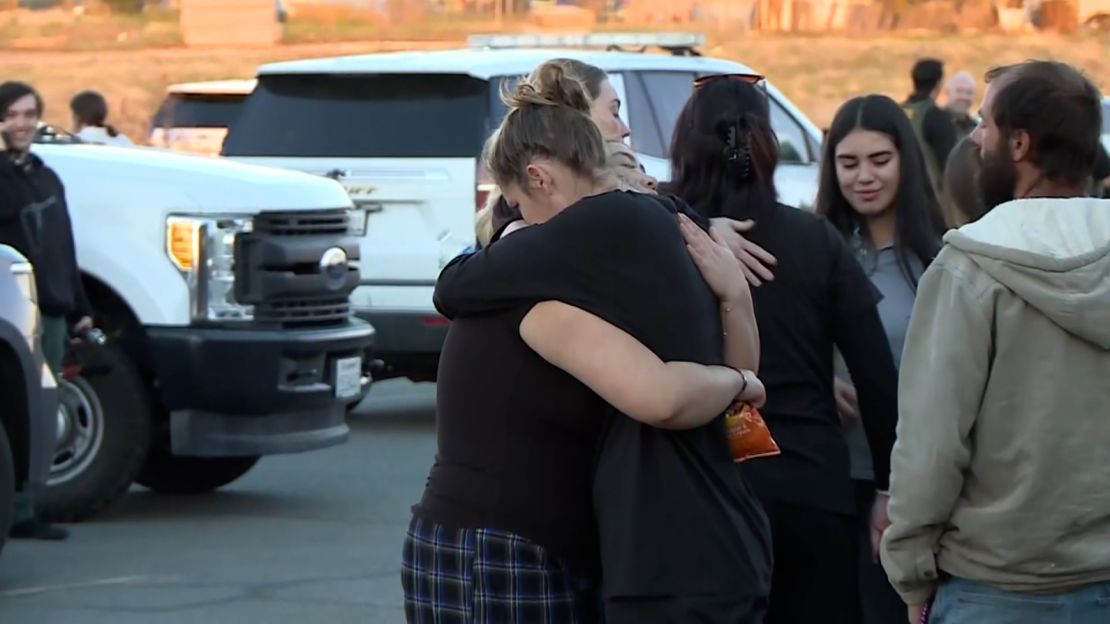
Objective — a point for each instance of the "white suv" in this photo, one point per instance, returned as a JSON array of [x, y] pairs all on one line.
[[403, 133], [194, 116]]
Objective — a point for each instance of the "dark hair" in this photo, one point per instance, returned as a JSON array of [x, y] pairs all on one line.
[[549, 116], [962, 199], [995, 73], [1060, 110], [13, 90], [724, 152], [927, 75], [918, 224], [91, 109]]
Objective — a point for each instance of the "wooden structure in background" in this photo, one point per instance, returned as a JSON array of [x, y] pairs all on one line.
[[214, 23]]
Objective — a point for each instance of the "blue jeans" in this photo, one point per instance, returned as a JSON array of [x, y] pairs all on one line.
[[964, 602]]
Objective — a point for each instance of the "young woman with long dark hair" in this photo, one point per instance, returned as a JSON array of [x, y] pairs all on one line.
[[723, 157], [876, 191]]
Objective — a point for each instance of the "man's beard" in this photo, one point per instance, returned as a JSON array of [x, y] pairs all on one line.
[[997, 180]]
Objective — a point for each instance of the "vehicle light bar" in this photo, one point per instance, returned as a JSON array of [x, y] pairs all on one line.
[[589, 40]]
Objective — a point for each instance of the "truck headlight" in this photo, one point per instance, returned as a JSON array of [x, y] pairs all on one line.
[[25, 278], [203, 250]]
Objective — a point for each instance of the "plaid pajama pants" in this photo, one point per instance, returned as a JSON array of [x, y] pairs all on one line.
[[465, 576]]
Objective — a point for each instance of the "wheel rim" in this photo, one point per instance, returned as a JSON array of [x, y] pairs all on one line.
[[80, 430]]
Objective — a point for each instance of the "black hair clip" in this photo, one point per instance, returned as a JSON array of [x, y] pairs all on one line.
[[740, 140], [732, 143]]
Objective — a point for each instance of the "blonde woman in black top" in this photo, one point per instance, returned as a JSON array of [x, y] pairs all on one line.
[[681, 536]]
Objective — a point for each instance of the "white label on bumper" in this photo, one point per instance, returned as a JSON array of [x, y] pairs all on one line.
[[348, 377]]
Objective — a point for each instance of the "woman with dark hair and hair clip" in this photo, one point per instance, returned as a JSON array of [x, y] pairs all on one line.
[[876, 191], [723, 157], [588, 433], [90, 120]]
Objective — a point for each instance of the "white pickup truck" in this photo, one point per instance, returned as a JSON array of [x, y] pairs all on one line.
[[223, 290]]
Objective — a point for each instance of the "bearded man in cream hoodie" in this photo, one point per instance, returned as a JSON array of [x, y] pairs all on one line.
[[1000, 484]]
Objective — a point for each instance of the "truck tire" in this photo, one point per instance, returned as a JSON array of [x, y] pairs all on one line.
[[105, 437], [172, 474], [7, 486]]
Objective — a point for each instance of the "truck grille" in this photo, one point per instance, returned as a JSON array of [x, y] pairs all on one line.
[[335, 222], [283, 268], [301, 312]]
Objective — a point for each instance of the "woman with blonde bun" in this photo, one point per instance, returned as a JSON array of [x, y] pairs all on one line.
[[621, 161], [678, 535], [604, 109]]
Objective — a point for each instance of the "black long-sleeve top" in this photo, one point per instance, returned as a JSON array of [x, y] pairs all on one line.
[[34, 219], [820, 298], [675, 516]]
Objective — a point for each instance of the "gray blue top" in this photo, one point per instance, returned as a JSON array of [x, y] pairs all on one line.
[[894, 310]]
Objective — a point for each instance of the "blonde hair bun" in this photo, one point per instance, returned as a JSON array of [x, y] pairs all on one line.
[[549, 85]]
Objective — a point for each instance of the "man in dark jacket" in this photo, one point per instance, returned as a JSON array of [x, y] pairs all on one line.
[[34, 220], [933, 126]]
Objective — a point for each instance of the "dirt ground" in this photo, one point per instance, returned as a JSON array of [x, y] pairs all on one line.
[[817, 73]]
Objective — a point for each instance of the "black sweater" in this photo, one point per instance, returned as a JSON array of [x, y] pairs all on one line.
[[674, 514], [35, 221], [820, 298]]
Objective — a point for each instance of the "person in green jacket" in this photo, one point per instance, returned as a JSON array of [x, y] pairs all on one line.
[[933, 127]]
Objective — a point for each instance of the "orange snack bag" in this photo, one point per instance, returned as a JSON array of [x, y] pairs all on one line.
[[748, 435]]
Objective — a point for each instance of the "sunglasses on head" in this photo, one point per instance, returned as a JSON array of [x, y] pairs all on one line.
[[752, 79]]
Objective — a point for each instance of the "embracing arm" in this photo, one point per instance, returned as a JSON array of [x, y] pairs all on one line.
[[741, 332], [721, 270], [626, 374], [507, 273], [757, 263]]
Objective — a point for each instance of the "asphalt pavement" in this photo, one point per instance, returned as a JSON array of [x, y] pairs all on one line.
[[306, 538]]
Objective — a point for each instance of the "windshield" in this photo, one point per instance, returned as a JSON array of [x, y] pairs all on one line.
[[362, 116], [198, 111], [47, 133]]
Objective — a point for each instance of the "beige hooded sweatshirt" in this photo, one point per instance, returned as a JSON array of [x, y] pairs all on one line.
[[1001, 471]]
